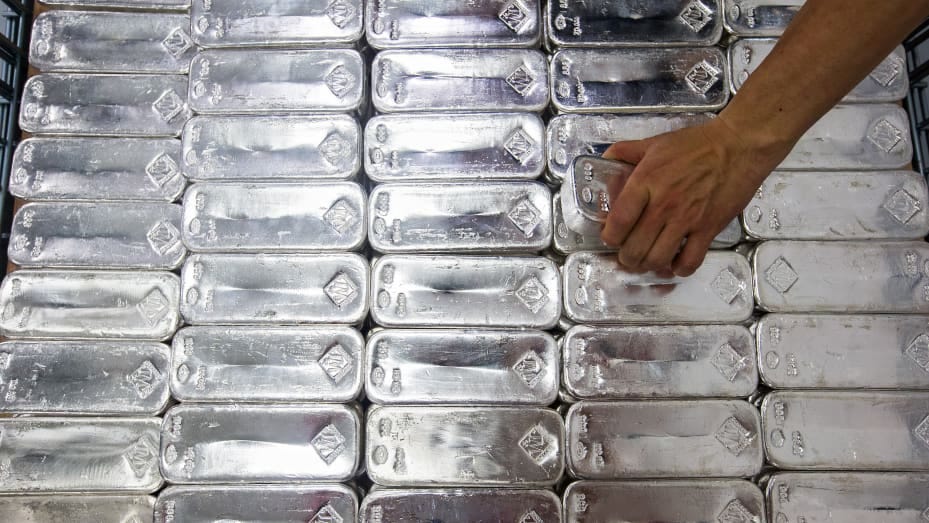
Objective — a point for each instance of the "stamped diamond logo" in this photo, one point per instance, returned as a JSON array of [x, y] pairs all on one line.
[[525, 216], [327, 514], [153, 307], [885, 135], [163, 237], [902, 206], [168, 105], [533, 294], [340, 12], [734, 436], [727, 286], [520, 80], [161, 169], [141, 456], [329, 443], [531, 517], [144, 379], [922, 431], [341, 290], [336, 363], [519, 145], [702, 77], [513, 15], [340, 216], [530, 368], [537, 444], [918, 351], [736, 512], [177, 43], [335, 149], [696, 15], [781, 275], [887, 72], [340, 81], [728, 362]]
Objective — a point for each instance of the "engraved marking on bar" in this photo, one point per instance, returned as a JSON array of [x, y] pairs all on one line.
[[519, 145], [734, 436], [696, 15], [885, 135], [177, 43], [161, 169], [530, 368], [918, 351], [153, 307], [922, 431], [530, 517], [340, 216], [144, 379], [141, 455], [736, 512], [525, 216], [340, 81], [335, 149], [537, 444], [728, 286], [521, 80], [902, 206], [329, 443], [887, 72], [341, 290], [168, 105], [336, 362], [702, 77], [326, 514], [341, 13], [513, 15], [163, 237], [728, 362], [533, 294], [781, 275]]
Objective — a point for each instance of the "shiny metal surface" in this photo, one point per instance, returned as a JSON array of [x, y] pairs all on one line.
[[80, 455], [274, 288], [478, 291], [596, 290], [639, 80], [109, 235], [260, 443], [842, 277], [490, 80], [91, 377], [464, 217], [274, 217], [272, 148], [454, 505], [159, 5], [877, 351], [585, 193], [461, 366], [99, 169], [267, 364], [458, 146], [111, 42], [504, 446], [839, 206], [668, 501], [267, 23], [267, 81], [659, 361], [846, 430], [663, 439], [76, 508], [105, 105], [257, 503], [760, 17], [632, 23], [89, 304]]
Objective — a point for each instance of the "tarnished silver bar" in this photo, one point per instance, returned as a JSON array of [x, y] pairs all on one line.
[[638, 80], [658, 439], [459, 366], [260, 443], [668, 501], [108, 235], [91, 377], [105, 104], [876, 351], [268, 81], [314, 503], [478, 291], [760, 17], [148, 5], [839, 206], [473, 504], [274, 217], [98, 169], [842, 277], [101, 42], [80, 455], [274, 289], [490, 80], [463, 217], [625, 23], [443, 146], [269, 23], [505, 446], [863, 497], [847, 430], [585, 193], [273, 148], [89, 304], [267, 364], [596, 290], [76, 508], [659, 361], [452, 23]]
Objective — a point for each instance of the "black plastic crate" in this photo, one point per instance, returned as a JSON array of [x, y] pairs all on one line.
[[917, 57]]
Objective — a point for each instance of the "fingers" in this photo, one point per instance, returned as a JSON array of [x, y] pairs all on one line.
[[631, 151], [691, 256], [633, 251], [625, 211], [665, 248]]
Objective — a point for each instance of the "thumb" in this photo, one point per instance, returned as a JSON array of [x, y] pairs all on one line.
[[631, 151]]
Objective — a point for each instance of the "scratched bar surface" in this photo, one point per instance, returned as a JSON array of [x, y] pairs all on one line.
[[257, 503], [77, 508], [450, 505], [147, 5], [760, 17]]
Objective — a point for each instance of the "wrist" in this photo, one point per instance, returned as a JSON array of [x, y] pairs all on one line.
[[762, 144]]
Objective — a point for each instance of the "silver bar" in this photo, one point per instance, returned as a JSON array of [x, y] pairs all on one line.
[[468, 291], [316, 503], [504, 446], [274, 217], [631, 23], [89, 304], [659, 361], [863, 497], [260, 443], [105, 105], [878, 352], [847, 430], [451, 23], [460, 366], [463, 217], [452, 505], [842, 277], [76, 508], [760, 17], [585, 193], [274, 289], [107, 235], [267, 81], [668, 501], [80, 455], [663, 439], [639, 80], [111, 42], [443, 146], [267, 364], [92, 377], [268, 23], [489, 80], [98, 169], [596, 290], [273, 148], [148, 5]]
